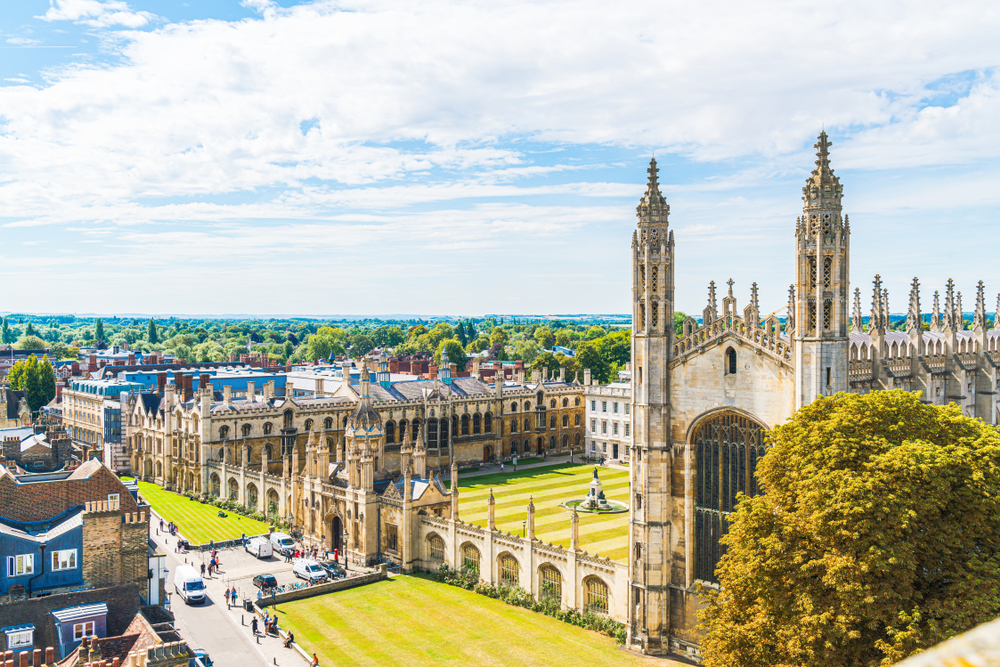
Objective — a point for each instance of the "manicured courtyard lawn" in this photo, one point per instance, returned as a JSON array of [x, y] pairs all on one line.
[[605, 534], [416, 621], [198, 523]]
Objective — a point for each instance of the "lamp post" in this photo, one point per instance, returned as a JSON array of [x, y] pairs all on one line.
[[347, 561], [524, 525]]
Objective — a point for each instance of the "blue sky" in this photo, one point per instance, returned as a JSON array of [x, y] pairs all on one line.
[[477, 157]]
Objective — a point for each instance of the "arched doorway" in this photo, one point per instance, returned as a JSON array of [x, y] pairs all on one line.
[[336, 533], [727, 446], [487, 453], [540, 446]]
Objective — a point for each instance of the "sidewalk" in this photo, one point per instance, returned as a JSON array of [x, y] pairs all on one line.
[[552, 460]]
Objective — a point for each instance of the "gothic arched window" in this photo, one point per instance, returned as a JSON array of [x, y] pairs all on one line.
[[724, 446], [477, 424], [465, 424], [268, 427], [730, 361], [390, 432], [488, 423]]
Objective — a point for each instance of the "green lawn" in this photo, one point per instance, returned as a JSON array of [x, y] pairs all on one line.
[[198, 523], [550, 486], [416, 621]]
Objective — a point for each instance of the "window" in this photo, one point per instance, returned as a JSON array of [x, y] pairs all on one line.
[[64, 560], [614, 428], [19, 566], [593, 426], [616, 407], [513, 407], [22, 638], [597, 596], [604, 406], [604, 427], [508, 570], [626, 408], [437, 549], [223, 432], [81, 630], [593, 406], [113, 499], [246, 430], [550, 583], [470, 558], [576, 420], [391, 537], [604, 447], [513, 426], [627, 429], [730, 361], [268, 427]]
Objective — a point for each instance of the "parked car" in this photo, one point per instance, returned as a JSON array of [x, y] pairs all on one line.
[[332, 571], [265, 582], [189, 584], [259, 547], [310, 570]]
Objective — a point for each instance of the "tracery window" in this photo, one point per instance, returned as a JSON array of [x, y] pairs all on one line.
[[597, 596], [309, 424], [549, 583], [465, 424], [390, 432], [812, 316], [827, 315], [246, 430], [508, 570], [470, 558], [642, 278], [223, 433], [576, 419], [656, 275], [654, 315], [724, 446], [513, 426], [811, 277], [328, 423], [477, 424], [268, 427], [642, 316], [827, 271], [437, 549], [488, 422]]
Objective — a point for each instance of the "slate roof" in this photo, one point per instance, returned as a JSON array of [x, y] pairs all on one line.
[[12, 397]]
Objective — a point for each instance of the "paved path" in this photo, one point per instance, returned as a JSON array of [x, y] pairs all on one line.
[[552, 460]]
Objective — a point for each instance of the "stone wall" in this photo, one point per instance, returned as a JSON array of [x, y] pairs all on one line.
[[115, 547]]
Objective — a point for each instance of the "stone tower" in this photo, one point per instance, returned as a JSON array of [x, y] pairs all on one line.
[[822, 284], [650, 539]]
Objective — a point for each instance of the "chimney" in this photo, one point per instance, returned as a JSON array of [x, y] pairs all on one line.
[[268, 390], [131, 358], [454, 369], [586, 377], [319, 388], [227, 395], [161, 382], [251, 391], [188, 387], [204, 380], [92, 364]]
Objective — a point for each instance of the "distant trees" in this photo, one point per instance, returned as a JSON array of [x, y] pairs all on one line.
[[456, 353], [98, 330], [6, 334], [30, 342], [37, 379]]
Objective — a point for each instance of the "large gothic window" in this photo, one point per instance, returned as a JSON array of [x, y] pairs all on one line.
[[727, 448]]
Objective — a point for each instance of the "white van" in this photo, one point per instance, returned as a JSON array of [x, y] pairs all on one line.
[[310, 570], [189, 585], [259, 547], [282, 542]]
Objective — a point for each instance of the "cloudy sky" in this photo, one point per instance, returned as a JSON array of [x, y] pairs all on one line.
[[433, 157]]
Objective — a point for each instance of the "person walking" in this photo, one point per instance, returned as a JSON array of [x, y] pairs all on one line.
[[211, 564], [227, 594], [202, 569], [235, 598], [253, 625]]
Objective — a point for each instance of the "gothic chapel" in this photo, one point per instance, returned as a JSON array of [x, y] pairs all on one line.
[[702, 401]]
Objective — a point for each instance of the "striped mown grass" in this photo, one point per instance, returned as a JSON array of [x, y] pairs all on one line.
[[411, 621], [198, 523], [549, 486]]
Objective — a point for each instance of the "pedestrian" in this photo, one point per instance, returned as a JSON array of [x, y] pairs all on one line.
[[235, 598], [315, 661], [243, 538], [228, 593], [210, 566], [203, 569], [253, 625], [501, 466]]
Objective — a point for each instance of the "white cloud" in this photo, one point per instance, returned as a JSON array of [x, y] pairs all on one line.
[[97, 13], [23, 41]]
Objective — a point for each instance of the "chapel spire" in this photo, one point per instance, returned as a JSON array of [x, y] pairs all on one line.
[[914, 319], [979, 317], [653, 207], [936, 323], [856, 325], [949, 306], [875, 322], [822, 189]]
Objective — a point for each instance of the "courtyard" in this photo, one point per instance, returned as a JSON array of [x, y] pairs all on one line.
[[549, 486], [413, 620], [198, 523]]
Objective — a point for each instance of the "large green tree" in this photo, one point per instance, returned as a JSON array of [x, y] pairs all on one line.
[[152, 335], [456, 354], [6, 333], [37, 377], [99, 329], [30, 342], [878, 535], [588, 356]]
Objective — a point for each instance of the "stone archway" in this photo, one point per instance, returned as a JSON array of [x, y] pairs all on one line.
[[251, 497], [215, 484], [335, 537], [540, 446], [273, 502], [487, 453]]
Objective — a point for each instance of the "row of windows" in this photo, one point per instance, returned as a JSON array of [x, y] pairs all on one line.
[[614, 427], [552, 403], [596, 594], [24, 564], [603, 447], [604, 406]]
